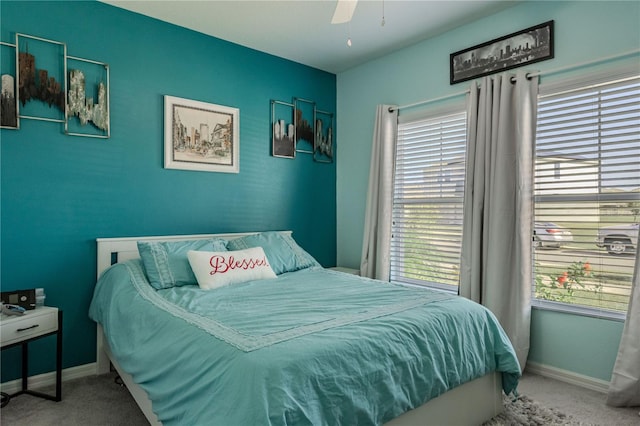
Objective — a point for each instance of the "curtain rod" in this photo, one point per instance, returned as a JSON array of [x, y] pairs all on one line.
[[583, 64], [528, 75], [453, 95]]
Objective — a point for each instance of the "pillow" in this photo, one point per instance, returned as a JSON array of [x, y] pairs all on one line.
[[217, 269], [284, 254], [166, 263]]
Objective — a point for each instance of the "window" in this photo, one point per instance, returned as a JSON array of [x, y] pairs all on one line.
[[587, 195], [427, 203]]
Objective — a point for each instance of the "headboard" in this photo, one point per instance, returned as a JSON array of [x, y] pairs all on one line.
[[114, 250]]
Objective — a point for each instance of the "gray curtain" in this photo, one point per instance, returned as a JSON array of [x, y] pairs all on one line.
[[376, 244], [496, 262], [624, 389]]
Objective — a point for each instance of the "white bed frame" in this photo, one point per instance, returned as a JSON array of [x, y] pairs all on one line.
[[469, 404]]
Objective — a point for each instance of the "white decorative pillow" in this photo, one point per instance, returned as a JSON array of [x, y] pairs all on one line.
[[217, 269]]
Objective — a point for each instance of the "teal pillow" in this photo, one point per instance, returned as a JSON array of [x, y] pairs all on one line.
[[166, 263], [283, 253]]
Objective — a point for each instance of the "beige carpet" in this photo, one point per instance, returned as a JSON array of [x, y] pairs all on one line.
[[98, 401], [89, 401], [582, 406]]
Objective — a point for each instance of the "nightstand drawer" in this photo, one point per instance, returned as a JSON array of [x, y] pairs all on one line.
[[32, 324]]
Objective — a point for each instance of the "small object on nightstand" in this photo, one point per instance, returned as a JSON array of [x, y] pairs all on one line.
[[25, 298], [40, 296], [9, 309]]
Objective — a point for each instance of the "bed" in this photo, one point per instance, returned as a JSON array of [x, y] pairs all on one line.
[[311, 346]]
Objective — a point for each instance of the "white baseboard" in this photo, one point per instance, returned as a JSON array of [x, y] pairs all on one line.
[[47, 379], [567, 376]]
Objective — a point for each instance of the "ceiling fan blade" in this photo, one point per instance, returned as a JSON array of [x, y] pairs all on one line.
[[344, 11]]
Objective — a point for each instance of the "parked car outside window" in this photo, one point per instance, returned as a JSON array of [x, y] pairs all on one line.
[[618, 239], [548, 234]]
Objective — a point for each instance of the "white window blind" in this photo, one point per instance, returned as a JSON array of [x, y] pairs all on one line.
[[427, 203], [587, 195]]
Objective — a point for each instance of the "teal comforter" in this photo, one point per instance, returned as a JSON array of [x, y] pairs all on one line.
[[308, 347]]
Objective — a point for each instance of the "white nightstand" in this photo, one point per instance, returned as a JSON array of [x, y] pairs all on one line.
[[346, 270], [20, 330]]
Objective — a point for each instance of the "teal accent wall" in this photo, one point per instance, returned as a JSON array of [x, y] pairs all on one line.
[[584, 31], [59, 193]]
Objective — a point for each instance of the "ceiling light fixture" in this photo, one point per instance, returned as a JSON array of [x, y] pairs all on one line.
[[344, 11], [382, 23]]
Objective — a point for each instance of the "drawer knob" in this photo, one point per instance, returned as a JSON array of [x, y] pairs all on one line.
[[28, 328]]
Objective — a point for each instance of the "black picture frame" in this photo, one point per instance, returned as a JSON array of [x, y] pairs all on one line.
[[304, 121], [528, 46], [88, 112], [9, 95], [283, 134], [41, 79], [324, 149]]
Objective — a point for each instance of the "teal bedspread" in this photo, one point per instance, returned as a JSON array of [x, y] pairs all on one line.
[[308, 347]]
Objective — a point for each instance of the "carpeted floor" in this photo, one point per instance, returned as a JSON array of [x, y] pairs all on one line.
[[582, 406], [89, 401], [98, 401]]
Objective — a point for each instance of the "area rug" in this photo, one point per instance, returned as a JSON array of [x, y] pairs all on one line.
[[526, 412]]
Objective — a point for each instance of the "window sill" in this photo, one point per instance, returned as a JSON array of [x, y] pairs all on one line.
[[547, 305]]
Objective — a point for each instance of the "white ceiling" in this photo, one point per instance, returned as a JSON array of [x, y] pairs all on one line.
[[301, 30]]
